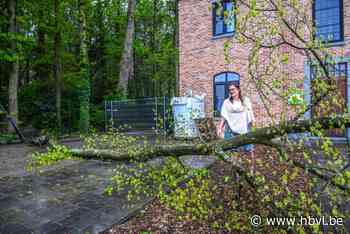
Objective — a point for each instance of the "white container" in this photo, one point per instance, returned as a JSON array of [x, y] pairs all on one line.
[[186, 110]]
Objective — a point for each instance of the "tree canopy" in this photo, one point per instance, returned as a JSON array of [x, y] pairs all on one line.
[[61, 51]]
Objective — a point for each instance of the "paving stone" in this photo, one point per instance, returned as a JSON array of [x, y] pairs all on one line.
[[51, 227], [14, 228], [55, 228], [63, 198], [54, 211], [2, 196], [92, 203], [79, 218], [197, 161], [11, 214], [94, 228], [110, 214], [8, 188], [7, 202], [18, 216]]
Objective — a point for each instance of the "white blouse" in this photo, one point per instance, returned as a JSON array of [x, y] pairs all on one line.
[[238, 116]]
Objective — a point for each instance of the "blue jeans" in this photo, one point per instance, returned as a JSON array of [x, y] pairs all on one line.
[[228, 134]]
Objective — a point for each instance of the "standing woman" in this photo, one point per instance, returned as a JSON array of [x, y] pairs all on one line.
[[237, 117]]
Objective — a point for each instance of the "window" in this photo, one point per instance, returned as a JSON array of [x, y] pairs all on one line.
[[339, 75], [223, 18], [335, 70], [328, 20], [221, 82]]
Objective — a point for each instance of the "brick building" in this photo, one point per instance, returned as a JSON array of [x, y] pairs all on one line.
[[203, 69]]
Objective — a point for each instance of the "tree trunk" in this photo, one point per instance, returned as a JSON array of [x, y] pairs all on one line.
[[259, 136], [100, 67], [176, 42], [153, 48], [84, 72], [41, 66], [27, 72], [127, 63], [13, 81], [57, 65]]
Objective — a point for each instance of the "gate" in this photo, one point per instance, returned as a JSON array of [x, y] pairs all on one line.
[[139, 114]]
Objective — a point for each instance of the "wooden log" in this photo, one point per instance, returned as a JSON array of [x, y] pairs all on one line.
[[257, 136]]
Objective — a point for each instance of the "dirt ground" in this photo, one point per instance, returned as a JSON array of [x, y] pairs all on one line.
[[158, 218]]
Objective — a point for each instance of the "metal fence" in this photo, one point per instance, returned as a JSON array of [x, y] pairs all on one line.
[[139, 114]]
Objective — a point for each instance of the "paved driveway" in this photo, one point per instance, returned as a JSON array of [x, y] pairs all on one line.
[[64, 198]]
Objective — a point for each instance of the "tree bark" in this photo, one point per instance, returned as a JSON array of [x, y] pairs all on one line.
[[259, 136], [176, 42], [84, 72], [57, 65], [42, 67], [127, 63], [13, 80], [153, 49]]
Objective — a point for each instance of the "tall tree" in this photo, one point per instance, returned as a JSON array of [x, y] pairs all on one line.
[[176, 43], [127, 62], [57, 63], [48, 49], [84, 70], [42, 66], [98, 50], [13, 81], [153, 44]]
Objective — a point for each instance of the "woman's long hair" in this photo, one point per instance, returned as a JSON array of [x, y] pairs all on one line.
[[239, 90]]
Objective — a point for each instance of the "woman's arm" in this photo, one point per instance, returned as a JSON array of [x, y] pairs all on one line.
[[224, 115], [221, 126]]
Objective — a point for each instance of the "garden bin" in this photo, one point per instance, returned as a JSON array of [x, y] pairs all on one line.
[[185, 111]]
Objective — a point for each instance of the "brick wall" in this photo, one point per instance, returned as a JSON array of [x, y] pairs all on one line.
[[202, 57]]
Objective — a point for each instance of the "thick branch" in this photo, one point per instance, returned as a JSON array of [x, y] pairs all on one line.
[[266, 133], [255, 137], [259, 136], [144, 154], [315, 171]]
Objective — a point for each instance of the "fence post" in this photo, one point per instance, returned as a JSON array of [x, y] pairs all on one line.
[[164, 115], [105, 116], [112, 115], [156, 114]]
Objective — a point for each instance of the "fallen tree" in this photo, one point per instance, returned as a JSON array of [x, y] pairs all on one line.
[[266, 136], [263, 136], [258, 136], [103, 147], [13, 123]]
